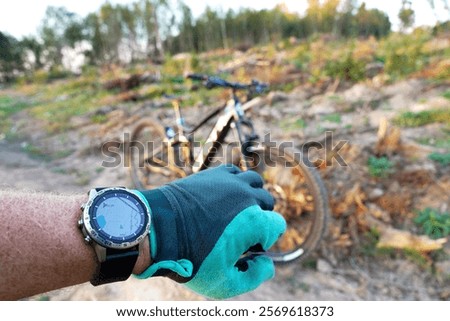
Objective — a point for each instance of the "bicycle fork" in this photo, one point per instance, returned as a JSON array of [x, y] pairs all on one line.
[[250, 147]]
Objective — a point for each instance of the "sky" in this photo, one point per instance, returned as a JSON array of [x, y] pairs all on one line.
[[22, 17]]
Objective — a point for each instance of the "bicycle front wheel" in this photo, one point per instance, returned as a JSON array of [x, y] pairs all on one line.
[[300, 196], [150, 158]]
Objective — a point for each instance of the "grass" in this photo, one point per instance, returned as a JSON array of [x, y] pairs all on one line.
[[436, 142], [99, 170], [411, 119], [9, 106], [58, 102], [99, 119], [369, 243], [417, 257], [446, 94], [82, 178], [379, 167], [40, 153], [289, 125], [35, 152], [333, 118], [443, 159]]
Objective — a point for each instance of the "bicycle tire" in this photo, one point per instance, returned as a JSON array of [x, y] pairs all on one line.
[[314, 188], [146, 173]]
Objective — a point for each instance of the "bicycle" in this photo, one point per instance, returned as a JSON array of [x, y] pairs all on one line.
[[298, 190]]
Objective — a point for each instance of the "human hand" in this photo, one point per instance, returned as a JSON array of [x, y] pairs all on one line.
[[202, 226]]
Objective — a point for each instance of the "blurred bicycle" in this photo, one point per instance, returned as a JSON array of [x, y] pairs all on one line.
[[298, 190]]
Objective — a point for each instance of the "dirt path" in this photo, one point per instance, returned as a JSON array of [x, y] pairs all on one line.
[[348, 280]]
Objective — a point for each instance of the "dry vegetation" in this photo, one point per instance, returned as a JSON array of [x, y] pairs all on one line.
[[394, 115]]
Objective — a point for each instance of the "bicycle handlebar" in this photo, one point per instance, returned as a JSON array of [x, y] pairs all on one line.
[[213, 81]]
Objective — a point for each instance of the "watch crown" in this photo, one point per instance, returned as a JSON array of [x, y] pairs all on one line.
[[87, 239]]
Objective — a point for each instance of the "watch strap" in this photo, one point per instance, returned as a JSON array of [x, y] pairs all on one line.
[[118, 266]]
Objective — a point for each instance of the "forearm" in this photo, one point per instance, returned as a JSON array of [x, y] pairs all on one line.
[[41, 247]]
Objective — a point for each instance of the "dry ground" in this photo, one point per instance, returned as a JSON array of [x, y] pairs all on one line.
[[347, 266]]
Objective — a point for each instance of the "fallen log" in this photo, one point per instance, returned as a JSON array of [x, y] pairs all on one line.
[[400, 239]]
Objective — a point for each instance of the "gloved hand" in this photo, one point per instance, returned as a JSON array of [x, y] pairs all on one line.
[[204, 223]]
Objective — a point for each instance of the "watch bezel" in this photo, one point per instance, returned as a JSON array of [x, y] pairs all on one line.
[[90, 229]]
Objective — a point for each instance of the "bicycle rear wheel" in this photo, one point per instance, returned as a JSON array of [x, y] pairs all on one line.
[[149, 156], [300, 196]]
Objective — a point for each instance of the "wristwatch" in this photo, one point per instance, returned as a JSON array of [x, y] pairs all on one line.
[[115, 221]]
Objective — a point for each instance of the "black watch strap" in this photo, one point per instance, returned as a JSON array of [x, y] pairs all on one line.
[[118, 266]]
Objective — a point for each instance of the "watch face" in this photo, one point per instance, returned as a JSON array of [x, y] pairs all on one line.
[[118, 217]]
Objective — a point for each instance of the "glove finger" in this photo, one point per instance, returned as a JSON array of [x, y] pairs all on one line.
[[254, 179], [251, 227], [264, 199], [230, 168], [260, 269], [267, 228]]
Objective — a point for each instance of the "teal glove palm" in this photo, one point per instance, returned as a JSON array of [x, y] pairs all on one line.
[[202, 226]]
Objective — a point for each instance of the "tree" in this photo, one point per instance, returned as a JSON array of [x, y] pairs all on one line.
[[97, 53], [313, 15], [129, 27], [11, 57], [59, 28], [372, 22], [346, 19], [329, 15], [151, 14], [406, 15], [32, 45], [186, 29], [111, 32], [208, 30], [74, 32]]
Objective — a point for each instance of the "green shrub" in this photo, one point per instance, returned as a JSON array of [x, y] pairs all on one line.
[[39, 77], [405, 54], [302, 57], [174, 67], [347, 68], [195, 62], [99, 118], [444, 159], [379, 167], [56, 73], [434, 224]]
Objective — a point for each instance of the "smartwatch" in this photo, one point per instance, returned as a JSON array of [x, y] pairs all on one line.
[[115, 221]]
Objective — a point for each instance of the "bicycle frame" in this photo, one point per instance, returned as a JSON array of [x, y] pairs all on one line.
[[233, 118]]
